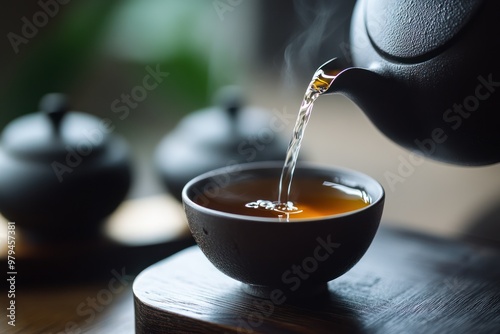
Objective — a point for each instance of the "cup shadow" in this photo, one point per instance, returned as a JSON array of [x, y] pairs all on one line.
[[484, 228], [326, 312]]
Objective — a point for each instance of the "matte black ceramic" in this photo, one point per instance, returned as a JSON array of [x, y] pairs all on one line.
[[297, 257], [212, 137], [61, 172], [427, 74]]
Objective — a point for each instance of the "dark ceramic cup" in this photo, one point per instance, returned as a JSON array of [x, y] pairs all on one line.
[[272, 257]]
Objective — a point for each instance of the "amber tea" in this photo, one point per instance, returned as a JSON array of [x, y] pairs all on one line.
[[310, 196]]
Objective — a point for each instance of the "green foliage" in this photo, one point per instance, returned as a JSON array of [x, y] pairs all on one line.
[[56, 59], [176, 35]]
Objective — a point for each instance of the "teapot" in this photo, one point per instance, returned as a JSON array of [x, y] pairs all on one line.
[[427, 74], [219, 136], [61, 171]]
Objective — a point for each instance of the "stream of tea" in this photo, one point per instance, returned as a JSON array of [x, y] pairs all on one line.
[[319, 84], [321, 81], [273, 196]]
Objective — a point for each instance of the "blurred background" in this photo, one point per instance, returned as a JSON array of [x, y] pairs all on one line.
[[97, 51]]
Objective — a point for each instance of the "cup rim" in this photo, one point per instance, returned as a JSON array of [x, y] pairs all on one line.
[[187, 201]]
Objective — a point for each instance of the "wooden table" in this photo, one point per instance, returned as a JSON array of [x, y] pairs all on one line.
[[406, 283]]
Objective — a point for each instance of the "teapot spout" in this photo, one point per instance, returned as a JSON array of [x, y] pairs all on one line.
[[381, 99], [349, 80], [372, 92]]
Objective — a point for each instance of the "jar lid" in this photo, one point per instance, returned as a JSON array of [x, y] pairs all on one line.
[[225, 133], [54, 132], [225, 127]]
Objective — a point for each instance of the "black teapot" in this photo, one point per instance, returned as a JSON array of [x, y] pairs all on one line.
[[222, 135], [61, 172], [427, 74]]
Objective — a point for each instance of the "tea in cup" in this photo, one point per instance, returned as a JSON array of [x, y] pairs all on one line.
[[332, 219]]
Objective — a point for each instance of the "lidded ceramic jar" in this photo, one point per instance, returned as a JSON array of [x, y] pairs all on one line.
[[227, 133], [61, 171]]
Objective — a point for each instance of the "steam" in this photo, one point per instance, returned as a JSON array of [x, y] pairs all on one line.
[[311, 47]]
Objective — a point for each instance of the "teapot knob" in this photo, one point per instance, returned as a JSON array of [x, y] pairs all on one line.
[[230, 98], [55, 105]]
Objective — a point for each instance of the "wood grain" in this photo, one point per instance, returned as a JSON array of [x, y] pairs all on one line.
[[406, 283]]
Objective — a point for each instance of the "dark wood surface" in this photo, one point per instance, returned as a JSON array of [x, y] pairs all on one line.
[[406, 283]]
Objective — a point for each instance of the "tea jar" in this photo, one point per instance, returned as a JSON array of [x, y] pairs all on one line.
[[61, 172], [227, 133]]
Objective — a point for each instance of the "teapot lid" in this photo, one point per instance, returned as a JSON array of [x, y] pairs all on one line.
[[54, 132], [413, 30]]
